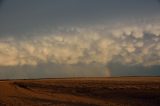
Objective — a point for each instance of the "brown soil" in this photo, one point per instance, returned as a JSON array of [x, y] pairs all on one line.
[[118, 91]]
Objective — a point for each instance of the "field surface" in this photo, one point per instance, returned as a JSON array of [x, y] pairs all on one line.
[[116, 91]]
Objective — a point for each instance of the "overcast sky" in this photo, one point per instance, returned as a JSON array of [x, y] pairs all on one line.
[[79, 38]]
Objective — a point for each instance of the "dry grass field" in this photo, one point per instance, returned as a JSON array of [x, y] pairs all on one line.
[[116, 91]]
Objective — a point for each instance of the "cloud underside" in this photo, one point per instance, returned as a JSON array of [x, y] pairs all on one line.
[[76, 45]]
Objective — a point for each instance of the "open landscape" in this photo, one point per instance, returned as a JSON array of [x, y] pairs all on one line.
[[79, 52], [114, 91]]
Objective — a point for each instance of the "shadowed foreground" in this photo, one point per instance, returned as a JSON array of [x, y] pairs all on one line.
[[119, 91]]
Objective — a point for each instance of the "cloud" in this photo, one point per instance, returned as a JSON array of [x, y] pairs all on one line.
[[54, 70], [1, 1], [85, 45]]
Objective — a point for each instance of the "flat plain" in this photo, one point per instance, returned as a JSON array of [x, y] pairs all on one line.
[[109, 91]]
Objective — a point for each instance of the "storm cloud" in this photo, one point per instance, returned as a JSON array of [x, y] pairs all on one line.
[[124, 44], [54, 38]]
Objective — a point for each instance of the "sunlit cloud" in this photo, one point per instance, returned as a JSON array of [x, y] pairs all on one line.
[[125, 44]]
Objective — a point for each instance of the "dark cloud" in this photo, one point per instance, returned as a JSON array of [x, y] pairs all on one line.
[[158, 1], [27, 16], [129, 70], [53, 71], [1, 2]]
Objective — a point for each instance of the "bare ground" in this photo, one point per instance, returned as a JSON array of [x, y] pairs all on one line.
[[118, 91]]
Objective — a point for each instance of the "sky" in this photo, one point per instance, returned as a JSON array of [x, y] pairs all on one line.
[[79, 38]]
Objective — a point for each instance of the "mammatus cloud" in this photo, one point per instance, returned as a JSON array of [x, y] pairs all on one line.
[[124, 44]]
